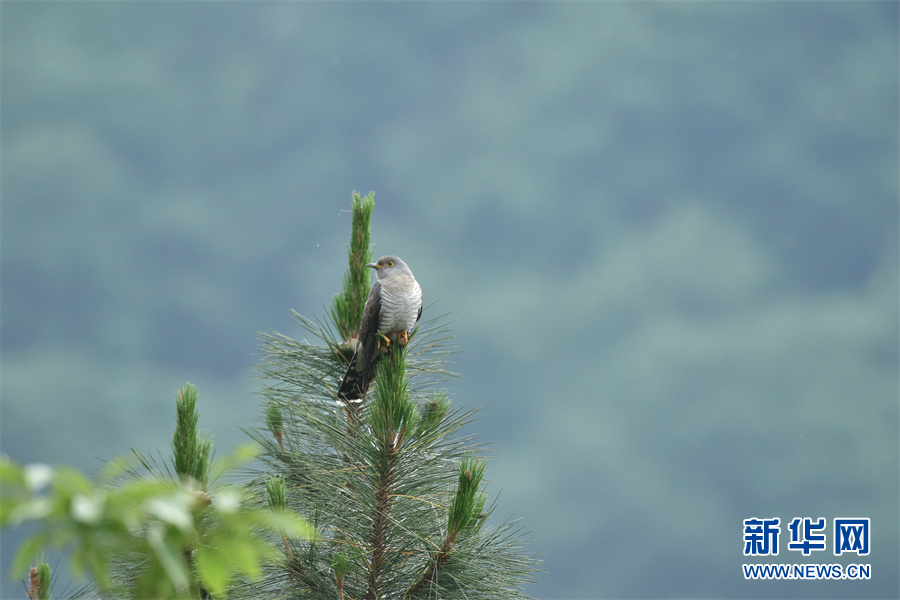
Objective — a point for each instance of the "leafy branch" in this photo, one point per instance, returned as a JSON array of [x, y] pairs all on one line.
[[178, 538]]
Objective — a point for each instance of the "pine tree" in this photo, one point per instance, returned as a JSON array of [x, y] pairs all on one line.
[[396, 495]]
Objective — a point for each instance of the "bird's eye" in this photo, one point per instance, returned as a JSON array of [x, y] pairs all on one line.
[[389, 263]]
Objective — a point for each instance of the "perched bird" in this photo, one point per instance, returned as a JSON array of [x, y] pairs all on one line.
[[392, 309]]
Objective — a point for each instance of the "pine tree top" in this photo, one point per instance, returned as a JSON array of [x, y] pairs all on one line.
[[396, 494]]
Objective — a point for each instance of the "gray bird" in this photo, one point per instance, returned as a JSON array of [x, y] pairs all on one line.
[[392, 309]]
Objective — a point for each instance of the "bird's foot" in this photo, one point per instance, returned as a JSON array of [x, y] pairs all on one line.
[[403, 338], [383, 341]]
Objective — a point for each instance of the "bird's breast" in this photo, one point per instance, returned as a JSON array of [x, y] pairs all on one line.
[[399, 310]]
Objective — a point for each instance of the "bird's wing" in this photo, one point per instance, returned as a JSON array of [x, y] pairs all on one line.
[[371, 313], [359, 371]]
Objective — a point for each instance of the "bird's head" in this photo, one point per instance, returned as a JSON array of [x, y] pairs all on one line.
[[387, 265]]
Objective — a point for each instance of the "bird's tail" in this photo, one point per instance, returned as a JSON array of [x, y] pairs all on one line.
[[356, 380], [352, 388]]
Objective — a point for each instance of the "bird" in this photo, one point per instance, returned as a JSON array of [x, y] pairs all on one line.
[[392, 309]]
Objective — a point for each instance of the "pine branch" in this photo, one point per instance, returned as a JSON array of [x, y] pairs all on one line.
[[465, 512], [40, 582], [191, 451], [41, 585], [394, 492], [378, 498], [347, 308]]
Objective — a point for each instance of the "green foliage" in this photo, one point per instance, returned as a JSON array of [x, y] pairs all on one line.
[[385, 502], [347, 307], [40, 581], [433, 412], [393, 413], [276, 495], [464, 511], [275, 423], [147, 536], [396, 496], [44, 579], [192, 453]]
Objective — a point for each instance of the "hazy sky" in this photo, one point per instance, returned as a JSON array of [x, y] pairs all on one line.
[[667, 233]]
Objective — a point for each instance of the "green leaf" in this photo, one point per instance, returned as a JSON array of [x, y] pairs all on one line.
[[86, 509], [11, 473], [69, 481], [28, 510], [286, 522], [173, 510], [153, 582], [244, 552], [168, 555], [212, 569], [26, 554]]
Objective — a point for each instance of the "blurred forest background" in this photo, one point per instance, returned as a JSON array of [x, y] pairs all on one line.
[[667, 232]]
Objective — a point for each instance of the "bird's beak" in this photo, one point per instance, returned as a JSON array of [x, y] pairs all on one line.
[[375, 266]]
